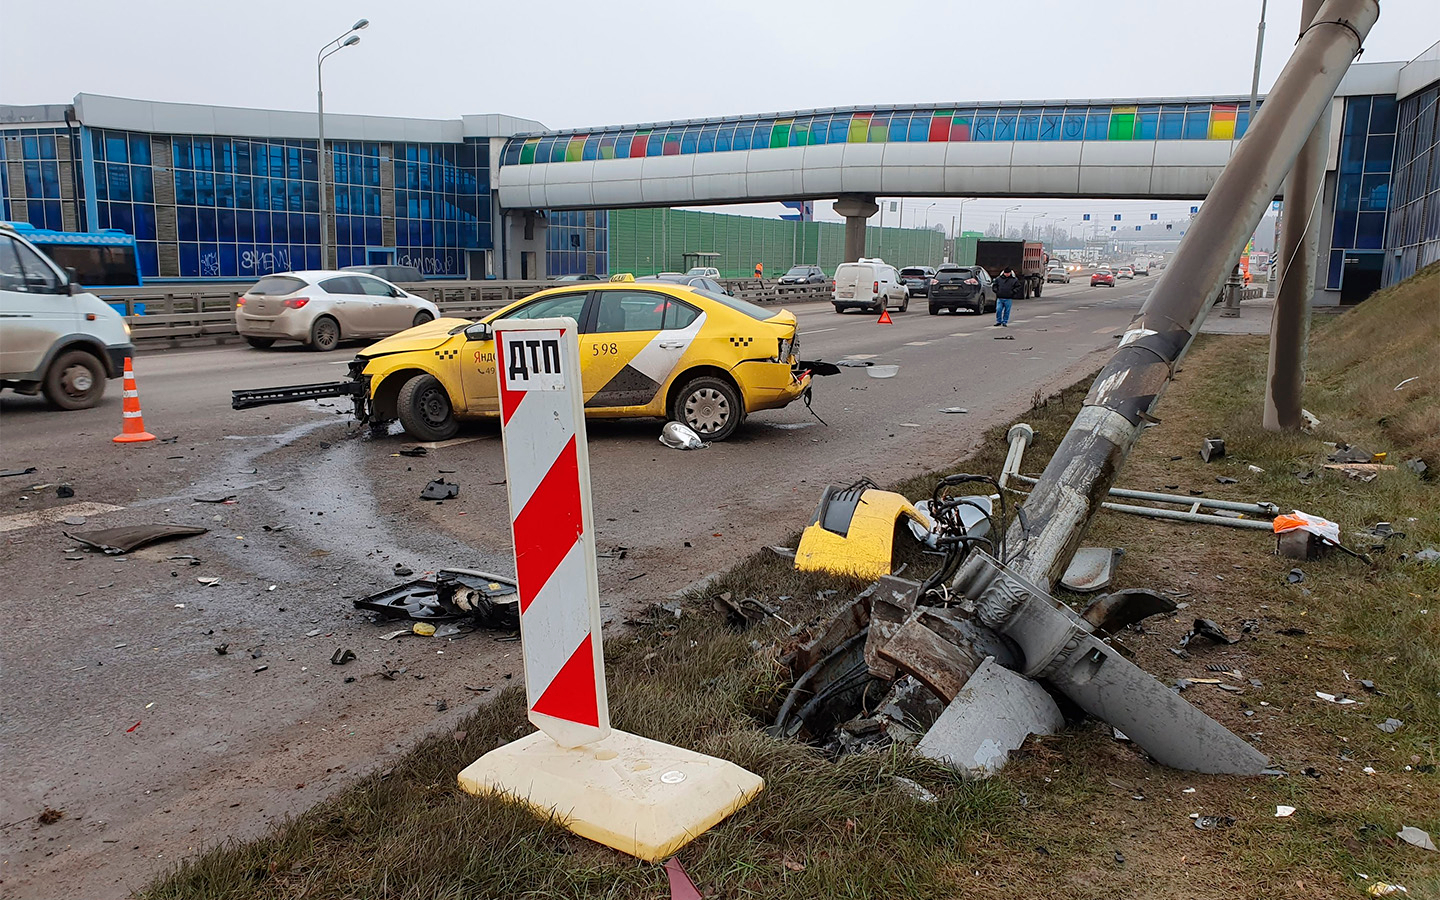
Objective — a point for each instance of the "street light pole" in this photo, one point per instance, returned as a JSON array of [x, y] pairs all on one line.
[[1255, 79], [927, 214], [348, 39], [1003, 214]]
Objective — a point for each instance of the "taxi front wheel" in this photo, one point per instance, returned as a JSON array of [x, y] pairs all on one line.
[[424, 409], [711, 406]]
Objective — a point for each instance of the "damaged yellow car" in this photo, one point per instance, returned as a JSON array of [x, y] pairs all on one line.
[[646, 348]]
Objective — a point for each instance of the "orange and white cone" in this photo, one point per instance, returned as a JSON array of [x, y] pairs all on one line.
[[133, 427]]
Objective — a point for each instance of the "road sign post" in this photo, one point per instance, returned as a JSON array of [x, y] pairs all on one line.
[[639, 796]]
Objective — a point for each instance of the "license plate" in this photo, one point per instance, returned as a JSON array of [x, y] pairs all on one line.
[[261, 324]]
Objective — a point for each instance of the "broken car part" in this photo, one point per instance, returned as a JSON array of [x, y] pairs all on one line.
[[452, 593], [853, 531], [679, 436], [115, 541], [440, 489]]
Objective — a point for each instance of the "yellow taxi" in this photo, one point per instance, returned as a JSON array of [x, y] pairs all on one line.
[[647, 349]]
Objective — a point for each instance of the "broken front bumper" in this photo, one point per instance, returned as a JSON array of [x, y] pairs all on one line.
[[357, 388]]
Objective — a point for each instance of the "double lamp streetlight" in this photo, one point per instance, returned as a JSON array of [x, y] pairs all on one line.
[[348, 39]]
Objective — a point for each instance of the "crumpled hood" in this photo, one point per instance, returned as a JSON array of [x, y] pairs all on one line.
[[422, 337]]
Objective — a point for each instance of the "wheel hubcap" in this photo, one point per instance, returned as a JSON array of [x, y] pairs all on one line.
[[325, 335], [707, 410], [77, 381]]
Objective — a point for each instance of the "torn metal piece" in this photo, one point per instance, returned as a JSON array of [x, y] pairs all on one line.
[[1110, 613], [440, 489], [942, 666], [115, 541], [1207, 628], [452, 593], [1212, 448], [992, 715], [891, 604], [1090, 569]]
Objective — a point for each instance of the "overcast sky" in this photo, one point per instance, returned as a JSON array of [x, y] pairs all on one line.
[[570, 64]]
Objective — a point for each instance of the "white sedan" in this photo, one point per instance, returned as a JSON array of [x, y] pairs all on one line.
[[320, 309]]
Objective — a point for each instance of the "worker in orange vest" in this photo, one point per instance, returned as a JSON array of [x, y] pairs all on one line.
[[760, 273]]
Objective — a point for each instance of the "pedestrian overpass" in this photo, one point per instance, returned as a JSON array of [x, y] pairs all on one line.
[[1170, 148]]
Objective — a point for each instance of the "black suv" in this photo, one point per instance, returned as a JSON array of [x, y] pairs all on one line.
[[804, 275], [962, 287], [917, 280]]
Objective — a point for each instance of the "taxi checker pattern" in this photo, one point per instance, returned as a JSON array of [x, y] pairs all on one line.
[[741, 341], [448, 352]]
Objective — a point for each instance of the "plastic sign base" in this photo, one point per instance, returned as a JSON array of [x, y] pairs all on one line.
[[639, 796]]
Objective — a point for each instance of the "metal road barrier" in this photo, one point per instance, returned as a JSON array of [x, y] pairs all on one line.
[[171, 313]]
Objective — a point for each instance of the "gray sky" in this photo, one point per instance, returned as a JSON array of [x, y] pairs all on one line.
[[572, 64]]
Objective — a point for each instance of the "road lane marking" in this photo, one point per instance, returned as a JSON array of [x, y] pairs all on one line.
[[962, 333], [818, 331], [918, 343], [1103, 331], [860, 356], [54, 514]]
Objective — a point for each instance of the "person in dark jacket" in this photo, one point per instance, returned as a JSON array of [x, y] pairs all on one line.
[[1007, 288]]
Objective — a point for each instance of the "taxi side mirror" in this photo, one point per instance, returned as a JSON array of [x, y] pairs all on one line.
[[480, 331]]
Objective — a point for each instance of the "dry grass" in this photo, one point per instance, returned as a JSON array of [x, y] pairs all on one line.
[[1053, 823]]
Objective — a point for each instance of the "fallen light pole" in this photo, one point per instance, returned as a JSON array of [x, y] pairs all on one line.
[[1011, 595]]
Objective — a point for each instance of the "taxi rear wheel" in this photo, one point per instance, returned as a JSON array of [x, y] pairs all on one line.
[[711, 406], [424, 409]]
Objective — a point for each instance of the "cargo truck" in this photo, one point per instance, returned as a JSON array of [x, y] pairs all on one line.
[[1027, 258]]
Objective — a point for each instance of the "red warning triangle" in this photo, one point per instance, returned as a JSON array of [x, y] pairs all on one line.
[[571, 695], [885, 317]]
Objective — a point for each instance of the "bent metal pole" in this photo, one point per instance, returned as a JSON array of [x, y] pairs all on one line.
[[1013, 597], [1125, 392]]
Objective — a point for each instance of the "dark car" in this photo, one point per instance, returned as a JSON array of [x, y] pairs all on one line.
[[392, 274], [703, 282], [569, 278], [961, 287], [917, 280], [1102, 276], [804, 275]]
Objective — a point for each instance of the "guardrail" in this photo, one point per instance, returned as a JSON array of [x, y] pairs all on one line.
[[171, 314]]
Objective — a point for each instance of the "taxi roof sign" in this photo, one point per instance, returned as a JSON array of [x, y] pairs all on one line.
[[622, 276]]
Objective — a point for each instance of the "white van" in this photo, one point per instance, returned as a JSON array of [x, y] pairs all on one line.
[[54, 337], [871, 284]]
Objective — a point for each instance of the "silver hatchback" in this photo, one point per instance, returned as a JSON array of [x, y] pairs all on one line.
[[321, 309]]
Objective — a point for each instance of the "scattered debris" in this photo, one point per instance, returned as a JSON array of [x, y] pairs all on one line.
[[209, 580], [1206, 823], [259, 669], [10, 473], [440, 489], [64, 491], [1255, 470], [403, 571], [1005, 337], [1110, 613], [341, 656], [741, 614], [451, 594], [917, 790], [1207, 628], [1090, 569], [681, 887], [114, 541], [1416, 465], [679, 436], [1295, 577], [49, 815], [424, 629], [1284, 812], [1383, 889], [1212, 449], [441, 705], [222, 649], [1428, 555], [1310, 422], [955, 410], [1338, 699], [1396, 388], [1223, 479], [852, 364], [1390, 726], [215, 498], [882, 371], [1415, 837], [413, 451]]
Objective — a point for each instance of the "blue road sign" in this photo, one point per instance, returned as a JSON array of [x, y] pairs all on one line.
[[1117, 217], [1194, 210], [1112, 227], [1087, 217], [1137, 227], [1154, 216]]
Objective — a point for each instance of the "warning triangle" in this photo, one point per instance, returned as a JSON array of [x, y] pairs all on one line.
[[885, 317], [571, 694]]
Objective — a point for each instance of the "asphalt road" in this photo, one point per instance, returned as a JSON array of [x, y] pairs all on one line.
[[120, 710]]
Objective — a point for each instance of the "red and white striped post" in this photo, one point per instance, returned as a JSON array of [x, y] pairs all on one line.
[[547, 465]]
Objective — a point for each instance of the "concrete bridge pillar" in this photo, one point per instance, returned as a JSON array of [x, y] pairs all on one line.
[[857, 210]]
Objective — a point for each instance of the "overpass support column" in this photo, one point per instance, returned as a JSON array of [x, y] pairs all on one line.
[[857, 210], [1297, 254]]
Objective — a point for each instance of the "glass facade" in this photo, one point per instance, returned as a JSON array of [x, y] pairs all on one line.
[[1362, 186], [577, 243], [40, 179], [236, 207], [1414, 234], [1220, 120]]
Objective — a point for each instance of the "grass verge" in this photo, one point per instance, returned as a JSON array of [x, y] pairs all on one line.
[[1077, 815]]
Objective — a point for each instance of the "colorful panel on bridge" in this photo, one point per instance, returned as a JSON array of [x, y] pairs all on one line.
[[1219, 120]]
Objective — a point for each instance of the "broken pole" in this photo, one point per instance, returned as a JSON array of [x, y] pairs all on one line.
[[1012, 598], [1300, 250]]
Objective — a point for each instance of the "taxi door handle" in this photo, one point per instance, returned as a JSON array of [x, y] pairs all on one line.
[[671, 345]]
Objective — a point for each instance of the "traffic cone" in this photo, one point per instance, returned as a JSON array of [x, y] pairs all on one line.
[[885, 317], [132, 429]]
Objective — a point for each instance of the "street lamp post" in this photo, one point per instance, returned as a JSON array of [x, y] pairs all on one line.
[[1003, 214], [348, 39], [927, 214], [1032, 222]]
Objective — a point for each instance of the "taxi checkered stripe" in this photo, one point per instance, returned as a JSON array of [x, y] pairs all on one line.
[[447, 354], [741, 341]]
